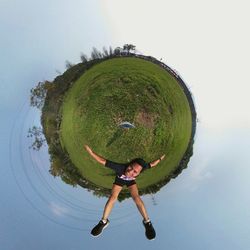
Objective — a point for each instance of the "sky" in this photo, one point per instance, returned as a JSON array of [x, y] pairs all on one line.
[[207, 42]]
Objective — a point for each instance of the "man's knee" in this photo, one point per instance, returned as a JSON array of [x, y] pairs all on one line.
[[137, 199], [113, 197]]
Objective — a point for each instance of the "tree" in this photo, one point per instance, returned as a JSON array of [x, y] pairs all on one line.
[[38, 94], [39, 139], [84, 58], [118, 51], [56, 166], [110, 51], [105, 52], [68, 64], [128, 47], [95, 54]]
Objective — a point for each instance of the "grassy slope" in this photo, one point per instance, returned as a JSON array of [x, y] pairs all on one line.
[[91, 109]]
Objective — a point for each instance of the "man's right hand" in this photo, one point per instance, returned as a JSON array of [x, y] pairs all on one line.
[[98, 158], [88, 148]]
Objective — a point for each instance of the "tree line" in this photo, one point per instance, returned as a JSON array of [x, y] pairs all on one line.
[[48, 97]]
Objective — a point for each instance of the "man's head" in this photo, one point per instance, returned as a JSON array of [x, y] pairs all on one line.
[[135, 167]]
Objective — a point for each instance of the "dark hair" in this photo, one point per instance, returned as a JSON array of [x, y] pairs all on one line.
[[141, 162]]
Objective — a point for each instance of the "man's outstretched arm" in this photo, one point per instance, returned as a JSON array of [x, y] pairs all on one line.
[[95, 156], [154, 163]]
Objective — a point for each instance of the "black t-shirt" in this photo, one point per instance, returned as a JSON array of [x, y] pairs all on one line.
[[120, 168]]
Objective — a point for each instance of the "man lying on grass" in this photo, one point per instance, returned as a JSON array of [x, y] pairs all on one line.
[[126, 175]]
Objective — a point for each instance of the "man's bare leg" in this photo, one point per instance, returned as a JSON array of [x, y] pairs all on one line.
[[116, 189], [97, 230], [138, 201], [149, 229]]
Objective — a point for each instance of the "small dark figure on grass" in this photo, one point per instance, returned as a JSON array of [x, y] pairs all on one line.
[[126, 174]]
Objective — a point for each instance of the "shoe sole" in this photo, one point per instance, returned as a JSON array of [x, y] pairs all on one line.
[[151, 239], [100, 232]]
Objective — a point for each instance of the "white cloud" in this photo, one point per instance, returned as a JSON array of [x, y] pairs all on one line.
[[200, 171], [197, 173], [58, 209]]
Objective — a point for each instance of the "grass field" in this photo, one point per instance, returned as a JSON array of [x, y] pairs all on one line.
[[125, 89]]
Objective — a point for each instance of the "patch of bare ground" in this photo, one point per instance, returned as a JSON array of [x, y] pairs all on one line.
[[146, 119]]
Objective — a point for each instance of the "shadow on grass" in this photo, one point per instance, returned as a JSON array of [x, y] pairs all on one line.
[[116, 136]]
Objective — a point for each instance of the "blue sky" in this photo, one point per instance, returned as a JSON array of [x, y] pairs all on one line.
[[37, 37]]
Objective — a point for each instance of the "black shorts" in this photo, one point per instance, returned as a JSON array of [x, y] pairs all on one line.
[[120, 182]]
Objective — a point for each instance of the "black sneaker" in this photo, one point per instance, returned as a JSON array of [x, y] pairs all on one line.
[[150, 232], [97, 230]]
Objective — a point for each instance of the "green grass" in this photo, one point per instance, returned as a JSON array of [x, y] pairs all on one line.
[[125, 89]]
